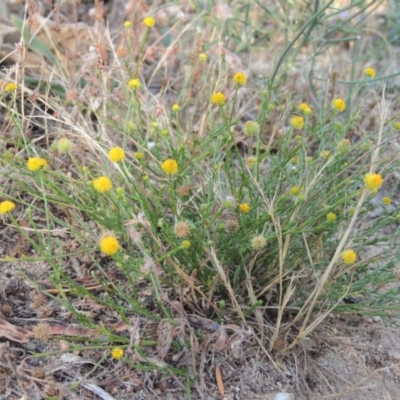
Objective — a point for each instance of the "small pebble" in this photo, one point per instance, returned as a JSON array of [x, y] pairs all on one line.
[[284, 396]]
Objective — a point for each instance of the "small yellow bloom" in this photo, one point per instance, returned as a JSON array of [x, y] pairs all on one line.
[[373, 181], [6, 206], [370, 72], [186, 244], [349, 256], [303, 106], [175, 108], [170, 166], [297, 122], [116, 154], [386, 201], [109, 245], [244, 208], [138, 155], [85, 169], [308, 111], [397, 126], [339, 104], [203, 57], [258, 242], [117, 353], [331, 217], [218, 98], [165, 132], [36, 163], [134, 84], [149, 22], [295, 190], [127, 24], [10, 87], [240, 78], [102, 184]]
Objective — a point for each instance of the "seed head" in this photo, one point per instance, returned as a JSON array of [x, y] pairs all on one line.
[[182, 229], [258, 242]]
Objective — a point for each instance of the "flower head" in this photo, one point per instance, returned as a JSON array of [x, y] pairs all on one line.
[[202, 57], [127, 24], [258, 242], [170, 166], [149, 22], [64, 145], [218, 98], [349, 256], [186, 244], [295, 190], [397, 125], [307, 111], [251, 128], [117, 353], [102, 184], [344, 146], [325, 154], [116, 154], [339, 104], [373, 181], [251, 161], [244, 208], [138, 155], [134, 84], [36, 163], [303, 106], [386, 201], [10, 87], [181, 229], [331, 217], [370, 72], [297, 122], [175, 108], [240, 78], [6, 206], [109, 245]]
